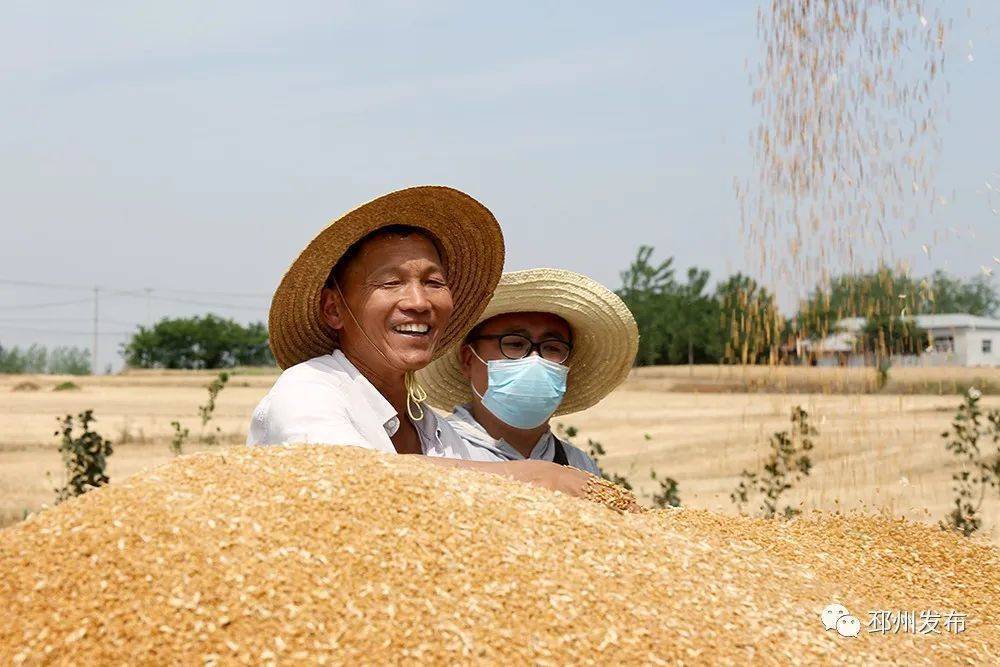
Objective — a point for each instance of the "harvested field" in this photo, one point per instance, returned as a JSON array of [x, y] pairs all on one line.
[[881, 452], [313, 554]]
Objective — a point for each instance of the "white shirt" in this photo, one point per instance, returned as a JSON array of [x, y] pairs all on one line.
[[326, 400]]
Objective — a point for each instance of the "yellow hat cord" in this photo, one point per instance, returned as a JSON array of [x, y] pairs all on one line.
[[415, 396]]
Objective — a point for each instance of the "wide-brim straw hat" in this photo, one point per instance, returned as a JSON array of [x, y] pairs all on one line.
[[468, 237], [605, 337]]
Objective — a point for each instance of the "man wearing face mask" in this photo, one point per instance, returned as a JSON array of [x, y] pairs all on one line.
[[550, 342]]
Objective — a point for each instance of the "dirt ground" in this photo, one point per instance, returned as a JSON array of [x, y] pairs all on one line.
[[880, 452]]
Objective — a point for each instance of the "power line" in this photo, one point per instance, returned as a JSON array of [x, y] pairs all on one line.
[[212, 304], [30, 283], [122, 291], [51, 304], [64, 319], [70, 333]]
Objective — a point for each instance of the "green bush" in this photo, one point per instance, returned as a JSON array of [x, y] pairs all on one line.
[[788, 464], [208, 410], [971, 432], [85, 456], [178, 439]]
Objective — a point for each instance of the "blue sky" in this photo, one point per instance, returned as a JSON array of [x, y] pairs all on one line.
[[198, 146]]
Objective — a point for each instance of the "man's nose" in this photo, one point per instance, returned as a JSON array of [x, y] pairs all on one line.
[[415, 298]]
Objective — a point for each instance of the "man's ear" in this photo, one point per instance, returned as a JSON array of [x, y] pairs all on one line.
[[330, 306], [466, 359]]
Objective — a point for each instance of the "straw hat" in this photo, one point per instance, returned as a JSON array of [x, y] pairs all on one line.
[[472, 250], [605, 337]]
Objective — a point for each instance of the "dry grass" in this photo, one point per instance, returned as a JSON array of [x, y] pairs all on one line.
[[880, 451]]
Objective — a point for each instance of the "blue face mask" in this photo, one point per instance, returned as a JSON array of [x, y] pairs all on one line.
[[523, 392]]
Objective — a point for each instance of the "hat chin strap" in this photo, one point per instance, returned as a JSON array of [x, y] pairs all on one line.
[[415, 394]]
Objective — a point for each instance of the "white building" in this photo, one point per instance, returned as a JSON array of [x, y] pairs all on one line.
[[958, 340]]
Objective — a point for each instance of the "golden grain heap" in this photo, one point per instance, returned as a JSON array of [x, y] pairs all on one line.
[[338, 555]]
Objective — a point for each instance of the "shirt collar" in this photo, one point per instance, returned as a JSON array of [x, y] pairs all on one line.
[[474, 433], [428, 426], [383, 409]]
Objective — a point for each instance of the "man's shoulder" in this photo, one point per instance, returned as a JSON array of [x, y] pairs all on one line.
[[318, 370]]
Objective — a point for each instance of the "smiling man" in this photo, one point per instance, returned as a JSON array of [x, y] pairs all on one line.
[[373, 298], [369, 301], [550, 342]]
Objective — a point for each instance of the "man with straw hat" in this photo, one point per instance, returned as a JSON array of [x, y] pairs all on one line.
[[550, 342], [373, 298]]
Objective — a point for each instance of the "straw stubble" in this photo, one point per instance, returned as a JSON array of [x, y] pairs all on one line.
[[315, 554]]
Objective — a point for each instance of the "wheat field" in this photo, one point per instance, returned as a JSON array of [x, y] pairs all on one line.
[[878, 452]]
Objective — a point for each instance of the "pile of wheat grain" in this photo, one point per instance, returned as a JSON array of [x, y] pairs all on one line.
[[329, 554]]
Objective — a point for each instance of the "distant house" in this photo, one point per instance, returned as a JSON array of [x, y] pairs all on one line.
[[953, 340]]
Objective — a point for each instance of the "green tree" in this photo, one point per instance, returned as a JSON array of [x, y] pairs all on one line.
[[198, 342], [645, 290], [887, 292], [884, 292], [678, 322], [751, 325], [693, 324], [975, 296], [887, 335], [69, 361], [33, 359]]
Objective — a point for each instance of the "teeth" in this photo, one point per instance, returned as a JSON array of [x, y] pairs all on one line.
[[412, 328]]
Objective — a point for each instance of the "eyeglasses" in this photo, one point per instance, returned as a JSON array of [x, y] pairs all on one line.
[[516, 346]]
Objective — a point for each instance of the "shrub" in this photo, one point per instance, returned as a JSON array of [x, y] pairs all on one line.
[[25, 386], [85, 457], [208, 410], [788, 463], [66, 386], [180, 435], [668, 495], [970, 432]]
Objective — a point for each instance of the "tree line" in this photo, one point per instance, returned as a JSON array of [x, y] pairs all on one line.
[[39, 359], [682, 321]]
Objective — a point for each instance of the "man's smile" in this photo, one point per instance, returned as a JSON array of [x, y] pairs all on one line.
[[412, 329]]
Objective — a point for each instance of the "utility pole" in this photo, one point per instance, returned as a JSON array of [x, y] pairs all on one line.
[[93, 353], [149, 310]]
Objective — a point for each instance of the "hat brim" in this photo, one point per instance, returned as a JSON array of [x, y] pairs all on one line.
[[605, 337], [473, 253]]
